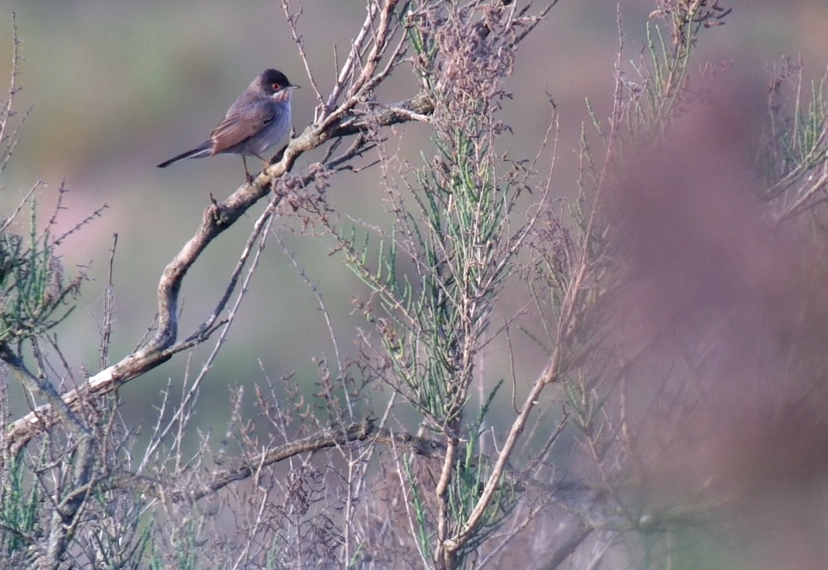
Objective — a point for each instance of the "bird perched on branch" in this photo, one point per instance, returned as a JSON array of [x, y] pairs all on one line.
[[258, 119]]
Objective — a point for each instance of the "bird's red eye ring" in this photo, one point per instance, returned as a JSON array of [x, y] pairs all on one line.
[[276, 86]]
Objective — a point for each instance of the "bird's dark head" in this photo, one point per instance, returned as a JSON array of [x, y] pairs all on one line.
[[273, 81]]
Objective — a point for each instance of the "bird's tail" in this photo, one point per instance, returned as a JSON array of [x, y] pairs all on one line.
[[200, 151]]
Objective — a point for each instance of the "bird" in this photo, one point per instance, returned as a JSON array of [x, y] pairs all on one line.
[[258, 119]]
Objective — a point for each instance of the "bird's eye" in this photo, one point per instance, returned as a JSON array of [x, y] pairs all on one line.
[[276, 86]]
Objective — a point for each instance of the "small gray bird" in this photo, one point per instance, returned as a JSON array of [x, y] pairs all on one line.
[[256, 121]]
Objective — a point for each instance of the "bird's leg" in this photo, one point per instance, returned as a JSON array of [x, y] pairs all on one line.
[[246, 172], [264, 160]]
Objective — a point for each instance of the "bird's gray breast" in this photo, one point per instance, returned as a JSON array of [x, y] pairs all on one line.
[[272, 132]]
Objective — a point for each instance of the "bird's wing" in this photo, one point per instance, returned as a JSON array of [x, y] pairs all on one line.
[[240, 124]]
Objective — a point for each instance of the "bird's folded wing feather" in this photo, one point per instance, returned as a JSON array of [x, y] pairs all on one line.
[[240, 126]]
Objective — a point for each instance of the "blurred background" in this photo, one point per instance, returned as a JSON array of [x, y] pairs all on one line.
[[117, 87]]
